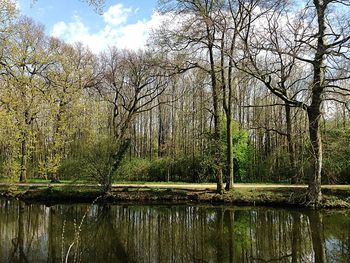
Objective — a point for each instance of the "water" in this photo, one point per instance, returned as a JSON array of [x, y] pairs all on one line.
[[143, 233]]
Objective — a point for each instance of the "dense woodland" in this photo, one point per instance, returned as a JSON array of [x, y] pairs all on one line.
[[226, 91]]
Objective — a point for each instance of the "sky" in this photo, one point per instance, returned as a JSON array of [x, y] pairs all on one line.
[[124, 23]]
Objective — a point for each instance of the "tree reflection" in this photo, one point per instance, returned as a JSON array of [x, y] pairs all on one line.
[[296, 238], [229, 217], [317, 236], [18, 254], [170, 234]]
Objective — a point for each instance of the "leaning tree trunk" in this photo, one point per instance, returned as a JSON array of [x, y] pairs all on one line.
[[118, 156]]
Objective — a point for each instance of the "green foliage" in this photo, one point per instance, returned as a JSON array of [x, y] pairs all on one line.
[[73, 169], [182, 169], [97, 159], [336, 155], [134, 169], [242, 151]]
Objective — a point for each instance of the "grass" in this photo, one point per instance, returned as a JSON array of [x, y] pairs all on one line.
[[76, 191], [281, 197]]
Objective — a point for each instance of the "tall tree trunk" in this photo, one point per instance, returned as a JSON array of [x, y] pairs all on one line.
[[150, 135], [291, 152], [314, 110], [161, 131], [315, 194], [216, 137], [228, 110], [229, 182], [23, 172], [57, 140]]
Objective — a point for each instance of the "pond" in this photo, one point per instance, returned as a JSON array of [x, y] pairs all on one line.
[[170, 233]]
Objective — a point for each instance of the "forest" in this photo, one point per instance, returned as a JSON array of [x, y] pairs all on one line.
[[226, 91]]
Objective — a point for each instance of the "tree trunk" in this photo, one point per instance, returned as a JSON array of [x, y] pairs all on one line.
[[215, 91], [23, 172], [291, 152], [314, 110], [315, 195], [161, 131], [118, 156], [229, 180], [228, 110]]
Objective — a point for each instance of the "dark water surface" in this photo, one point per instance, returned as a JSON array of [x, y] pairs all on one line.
[[174, 233]]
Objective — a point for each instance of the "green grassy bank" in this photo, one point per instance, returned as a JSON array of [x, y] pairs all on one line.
[[279, 197]]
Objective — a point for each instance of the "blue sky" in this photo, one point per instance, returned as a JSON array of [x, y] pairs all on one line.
[[125, 23]]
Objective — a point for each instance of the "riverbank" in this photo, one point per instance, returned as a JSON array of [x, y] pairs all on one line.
[[259, 195], [253, 195]]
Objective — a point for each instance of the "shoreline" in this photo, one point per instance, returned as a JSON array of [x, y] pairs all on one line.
[[272, 197]]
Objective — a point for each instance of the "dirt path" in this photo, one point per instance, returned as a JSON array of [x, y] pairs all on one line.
[[206, 186]]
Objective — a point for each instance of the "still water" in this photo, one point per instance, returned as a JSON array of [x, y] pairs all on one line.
[[170, 233]]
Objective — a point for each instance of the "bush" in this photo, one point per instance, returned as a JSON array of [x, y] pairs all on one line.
[[184, 169], [71, 169], [134, 169]]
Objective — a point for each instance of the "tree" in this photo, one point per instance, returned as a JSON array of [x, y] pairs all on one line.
[[234, 18], [131, 82], [197, 34], [319, 43], [25, 60], [70, 72]]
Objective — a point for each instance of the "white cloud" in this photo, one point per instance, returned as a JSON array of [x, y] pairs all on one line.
[[115, 32], [59, 29], [116, 14]]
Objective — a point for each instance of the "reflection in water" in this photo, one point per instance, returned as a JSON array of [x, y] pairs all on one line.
[[35, 233]]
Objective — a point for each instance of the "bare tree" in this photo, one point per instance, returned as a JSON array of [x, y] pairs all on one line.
[[320, 43], [197, 34], [132, 82]]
